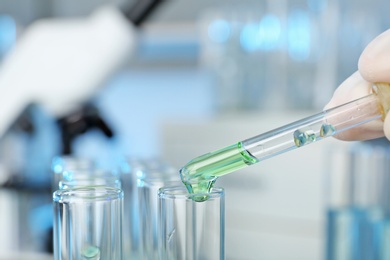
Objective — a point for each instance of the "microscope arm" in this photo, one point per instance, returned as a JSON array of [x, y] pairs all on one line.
[[60, 63]]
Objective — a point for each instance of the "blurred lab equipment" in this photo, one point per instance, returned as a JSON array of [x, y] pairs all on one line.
[[88, 223], [66, 166], [267, 54], [49, 80], [355, 30], [27, 149], [61, 75], [35, 131], [8, 34], [55, 62], [358, 201], [79, 122], [189, 229]]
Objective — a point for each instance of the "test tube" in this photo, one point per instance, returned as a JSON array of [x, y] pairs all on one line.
[[129, 169], [189, 229], [88, 223], [154, 176], [62, 165], [76, 177], [82, 181]]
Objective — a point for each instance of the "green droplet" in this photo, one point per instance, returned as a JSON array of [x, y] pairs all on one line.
[[327, 130], [301, 138], [200, 174], [311, 136], [91, 252]]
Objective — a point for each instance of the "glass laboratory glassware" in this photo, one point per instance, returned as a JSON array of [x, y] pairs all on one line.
[[229, 51], [61, 165], [189, 229], [79, 178], [154, 176], [129, 169], [82, 181], [88, 223], [358, 210]]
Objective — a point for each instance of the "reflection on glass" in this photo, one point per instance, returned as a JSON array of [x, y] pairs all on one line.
[[88, 223], [148, 185], [189, 229]]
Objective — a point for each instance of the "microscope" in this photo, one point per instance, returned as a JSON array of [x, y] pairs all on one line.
[[48, 82]]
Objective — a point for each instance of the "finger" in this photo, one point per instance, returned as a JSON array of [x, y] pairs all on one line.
[[374, 63], [351, 89], [364, 132]]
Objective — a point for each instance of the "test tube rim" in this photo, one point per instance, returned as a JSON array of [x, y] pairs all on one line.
[[90, 181], [86, 178], [179, 192], [84, 194], [70, 162]]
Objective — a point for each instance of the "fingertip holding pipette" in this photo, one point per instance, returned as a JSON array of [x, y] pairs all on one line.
[[378, 105], [353, 88]]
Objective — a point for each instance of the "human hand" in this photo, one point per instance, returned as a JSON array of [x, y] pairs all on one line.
[[374, 66]]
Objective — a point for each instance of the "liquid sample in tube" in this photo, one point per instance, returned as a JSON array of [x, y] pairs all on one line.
[[91, 253]]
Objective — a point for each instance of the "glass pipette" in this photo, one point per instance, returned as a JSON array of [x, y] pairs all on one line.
[[200, 174]]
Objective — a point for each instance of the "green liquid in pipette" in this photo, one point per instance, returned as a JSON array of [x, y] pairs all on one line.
[[200, 174], [327, 130]]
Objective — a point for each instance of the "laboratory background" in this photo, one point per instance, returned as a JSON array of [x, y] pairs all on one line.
[[121, 84]]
